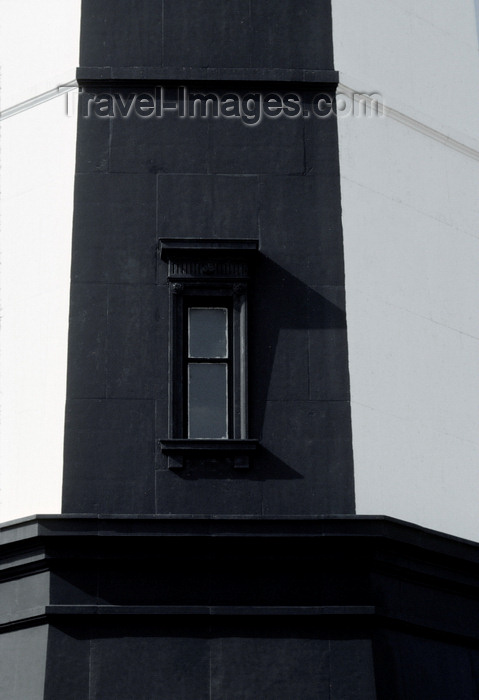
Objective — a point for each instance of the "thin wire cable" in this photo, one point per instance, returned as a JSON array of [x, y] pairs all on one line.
[[38, 100]]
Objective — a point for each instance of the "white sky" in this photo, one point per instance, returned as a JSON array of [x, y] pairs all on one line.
[[38, 51], [38, 46]]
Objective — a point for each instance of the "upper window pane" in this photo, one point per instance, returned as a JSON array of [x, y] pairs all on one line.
[[207, 332]]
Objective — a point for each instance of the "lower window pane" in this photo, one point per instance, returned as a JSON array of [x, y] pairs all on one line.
[[207, 400]]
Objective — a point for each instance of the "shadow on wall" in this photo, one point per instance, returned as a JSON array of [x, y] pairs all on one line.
[[272, 468], [297, 360], [297, 342]]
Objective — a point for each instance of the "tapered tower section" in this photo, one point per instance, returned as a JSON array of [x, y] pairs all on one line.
[[208, 547]]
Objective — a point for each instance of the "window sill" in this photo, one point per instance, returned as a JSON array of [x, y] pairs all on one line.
[[177, 449]]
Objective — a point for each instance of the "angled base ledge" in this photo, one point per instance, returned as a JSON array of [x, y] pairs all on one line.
[[178, 449], [361, 567]]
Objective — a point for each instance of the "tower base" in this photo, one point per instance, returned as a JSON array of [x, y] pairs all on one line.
[[133, 608]]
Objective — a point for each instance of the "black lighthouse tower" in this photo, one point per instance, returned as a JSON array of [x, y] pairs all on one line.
[[209, 547]]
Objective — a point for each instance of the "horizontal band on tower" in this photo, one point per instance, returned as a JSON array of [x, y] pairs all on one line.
[[160, 74]]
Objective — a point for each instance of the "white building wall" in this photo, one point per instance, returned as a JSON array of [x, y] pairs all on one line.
[[410, 186], [38, 51]]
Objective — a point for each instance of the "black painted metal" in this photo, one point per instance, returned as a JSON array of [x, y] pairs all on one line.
[[274, 184], [235, 34], [172, 607]]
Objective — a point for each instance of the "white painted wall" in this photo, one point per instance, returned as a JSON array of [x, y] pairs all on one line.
[[410, 186], [38, 51]]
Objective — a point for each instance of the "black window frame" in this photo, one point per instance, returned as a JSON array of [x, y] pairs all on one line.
[[210, 302], [208, 270]]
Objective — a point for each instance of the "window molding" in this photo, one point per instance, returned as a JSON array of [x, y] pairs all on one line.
[[208, 271]]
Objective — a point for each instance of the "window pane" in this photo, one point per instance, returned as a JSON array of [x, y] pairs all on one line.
[[207, 332], [207, 400]]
